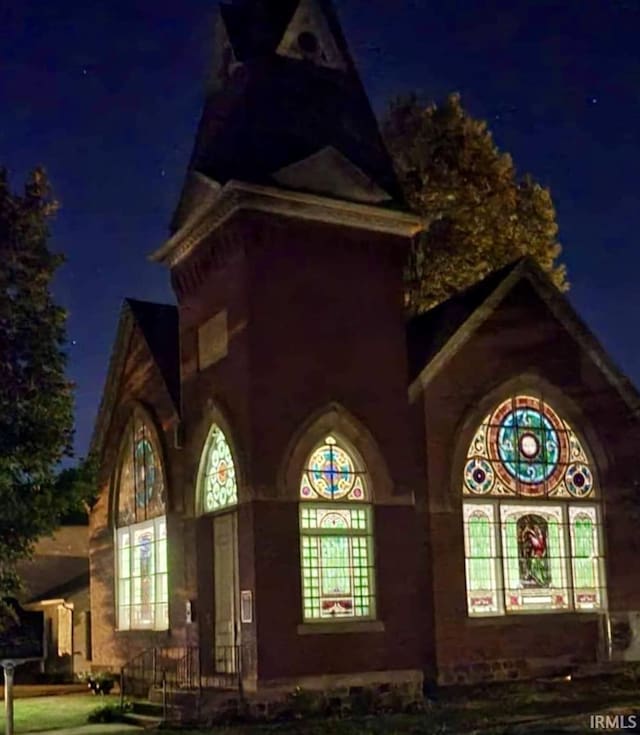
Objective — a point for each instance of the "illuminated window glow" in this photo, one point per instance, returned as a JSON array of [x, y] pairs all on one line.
[[143, 590], [141, 537], [524, 448], [532, 543], [218, 486], [336, 538]]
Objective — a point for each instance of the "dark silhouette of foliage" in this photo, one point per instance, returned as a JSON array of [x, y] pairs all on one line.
[[479, 215], [36, 401]]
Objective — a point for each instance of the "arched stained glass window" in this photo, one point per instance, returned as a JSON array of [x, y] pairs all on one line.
[[527, 479], [336, 536], [141, 493], [524, 448], [218, 485], [141, 531]]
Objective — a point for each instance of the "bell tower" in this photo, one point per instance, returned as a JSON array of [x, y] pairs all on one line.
[[286, 253], [289, 238]]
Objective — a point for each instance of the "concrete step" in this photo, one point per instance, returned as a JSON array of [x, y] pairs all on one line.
[[147, 709], [145, 721]]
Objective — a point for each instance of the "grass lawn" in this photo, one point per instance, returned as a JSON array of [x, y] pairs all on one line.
[[49, 713]]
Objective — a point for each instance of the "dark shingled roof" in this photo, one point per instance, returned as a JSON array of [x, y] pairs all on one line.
[[65, 590], [428, 333], [159, 325], [274, 111], [255, 28]]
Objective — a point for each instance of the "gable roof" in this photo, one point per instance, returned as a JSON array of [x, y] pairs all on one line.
[[61, 591], [435, 336], [430, 331], [158, 324]]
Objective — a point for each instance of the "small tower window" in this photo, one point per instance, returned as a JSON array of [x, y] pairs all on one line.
[[308, 43]]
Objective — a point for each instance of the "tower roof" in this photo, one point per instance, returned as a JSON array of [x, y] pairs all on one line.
[[284, 96]]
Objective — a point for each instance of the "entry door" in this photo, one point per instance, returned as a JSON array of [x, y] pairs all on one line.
[[225, 555]]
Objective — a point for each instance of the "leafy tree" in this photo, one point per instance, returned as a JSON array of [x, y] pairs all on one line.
[[479, 215], [36, 402]]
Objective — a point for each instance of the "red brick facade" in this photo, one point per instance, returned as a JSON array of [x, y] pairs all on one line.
[[309, 283], [522, 347], [326, 352]]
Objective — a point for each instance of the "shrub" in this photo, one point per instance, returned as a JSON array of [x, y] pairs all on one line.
[[109, 713], [304, 704]]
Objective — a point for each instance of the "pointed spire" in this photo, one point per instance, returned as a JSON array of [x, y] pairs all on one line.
[[284, 88]]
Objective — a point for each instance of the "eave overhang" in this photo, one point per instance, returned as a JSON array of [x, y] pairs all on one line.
[[236, 196], [559, 306]]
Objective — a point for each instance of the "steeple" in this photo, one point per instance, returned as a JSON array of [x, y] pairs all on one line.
[[285, 107]]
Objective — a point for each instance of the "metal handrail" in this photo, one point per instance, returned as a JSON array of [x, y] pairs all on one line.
[[177, 668]]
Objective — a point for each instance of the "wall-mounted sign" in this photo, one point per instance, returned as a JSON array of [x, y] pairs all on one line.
[[246, 606]]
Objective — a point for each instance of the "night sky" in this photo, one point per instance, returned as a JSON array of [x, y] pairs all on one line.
[[106, 94]]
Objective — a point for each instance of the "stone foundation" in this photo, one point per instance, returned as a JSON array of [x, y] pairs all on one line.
[[484, 671], [354, 695], [508, 669]]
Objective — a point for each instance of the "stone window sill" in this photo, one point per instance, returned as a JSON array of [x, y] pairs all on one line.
[[351, 626], [538, 617]]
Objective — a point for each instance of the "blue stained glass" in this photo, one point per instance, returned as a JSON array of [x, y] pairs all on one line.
[[528, 445], [332, 473], [145, 472]]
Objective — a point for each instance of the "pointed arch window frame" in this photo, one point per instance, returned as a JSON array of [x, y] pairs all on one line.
[[207, 502], [140, 543], [337, 549], [533, 536]]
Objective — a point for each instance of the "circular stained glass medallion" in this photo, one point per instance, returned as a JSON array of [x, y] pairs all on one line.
[[579, 480], [479, 476], [331, 474], [530, 450], [528, 445]]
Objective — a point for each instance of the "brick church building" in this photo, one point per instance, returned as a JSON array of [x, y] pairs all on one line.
[[303, 488]]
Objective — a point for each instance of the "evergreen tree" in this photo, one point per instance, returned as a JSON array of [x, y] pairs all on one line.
[[479, 215], [36, 403]]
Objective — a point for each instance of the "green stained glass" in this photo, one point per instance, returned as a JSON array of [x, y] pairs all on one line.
[[218, 483], [511, 562], [555, 553], [335, 537], [584, 570], [336, 566], [337, 574], [479, 553]]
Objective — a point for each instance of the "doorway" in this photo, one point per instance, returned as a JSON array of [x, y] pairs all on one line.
[[226, 595]]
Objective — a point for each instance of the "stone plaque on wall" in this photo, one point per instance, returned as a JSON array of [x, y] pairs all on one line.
[[212, 340]]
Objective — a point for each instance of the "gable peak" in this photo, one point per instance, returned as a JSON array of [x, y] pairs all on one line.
[[309, 37]]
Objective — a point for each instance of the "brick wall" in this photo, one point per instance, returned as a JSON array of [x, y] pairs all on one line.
[[522, 346]]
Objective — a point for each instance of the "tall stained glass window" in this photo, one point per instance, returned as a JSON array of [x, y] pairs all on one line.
[[218, 487], [336, 537], [531, 514], [141, 536]]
